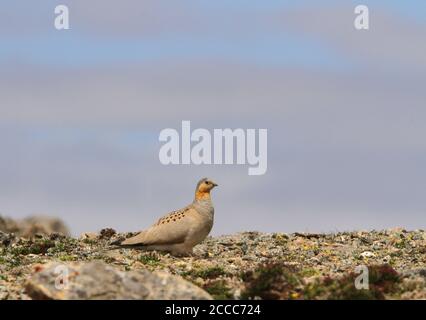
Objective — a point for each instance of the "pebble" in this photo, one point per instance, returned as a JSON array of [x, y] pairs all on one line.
[[367, 254]]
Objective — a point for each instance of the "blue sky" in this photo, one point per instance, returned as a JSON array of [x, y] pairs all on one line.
[[262, 45], [74, 50], [81, 47], [81, 111]]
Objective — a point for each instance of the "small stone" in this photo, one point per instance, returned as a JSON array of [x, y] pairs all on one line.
[[88, 236], [367, 254], [387, 259], [4, 295], [6, 238], [107, 233]]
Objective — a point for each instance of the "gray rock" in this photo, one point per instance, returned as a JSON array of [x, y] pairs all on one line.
[[31, 226], [8, 225], [6, 238], [42, 225], [415, 272], [97, 280]]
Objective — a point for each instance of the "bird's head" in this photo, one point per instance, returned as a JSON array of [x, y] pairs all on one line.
[[204, 186]]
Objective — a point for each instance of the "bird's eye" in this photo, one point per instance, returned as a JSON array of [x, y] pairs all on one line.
[[207, 182]]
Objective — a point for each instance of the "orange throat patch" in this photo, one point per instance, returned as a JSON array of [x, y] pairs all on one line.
[[202, 195]]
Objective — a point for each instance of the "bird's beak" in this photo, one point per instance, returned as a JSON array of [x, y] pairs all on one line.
[[214, 184]]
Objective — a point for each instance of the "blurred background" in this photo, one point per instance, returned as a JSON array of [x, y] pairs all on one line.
[[81, 111]]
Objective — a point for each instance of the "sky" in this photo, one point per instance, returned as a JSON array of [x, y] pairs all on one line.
[[81, 111]]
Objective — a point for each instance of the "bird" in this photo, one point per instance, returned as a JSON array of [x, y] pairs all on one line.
[[178, 232]]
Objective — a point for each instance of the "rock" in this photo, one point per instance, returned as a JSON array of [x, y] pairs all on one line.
[[367, 254], [57, 236], [8, 225], [3, 293], [387, 259], [6, 238], [396, 231], [88, 236], [43, 225], [97, 280], [307, 235], [416, 272], [107, 233], [34, 225]]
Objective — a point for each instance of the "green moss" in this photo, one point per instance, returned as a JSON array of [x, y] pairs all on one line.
[[13, 261], [90, 241], [66, 245], [219, 290], [383, 279], [208, 273], [336, 289], [59, 247], [271, 281], [280, 239], [108, 259], [149, 259], [400, 244], [66, 257], [39, 246], [309, 272]]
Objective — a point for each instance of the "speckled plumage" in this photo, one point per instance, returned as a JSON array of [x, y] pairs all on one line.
[[179, 231]]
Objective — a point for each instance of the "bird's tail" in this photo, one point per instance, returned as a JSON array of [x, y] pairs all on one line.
[[118, 244]]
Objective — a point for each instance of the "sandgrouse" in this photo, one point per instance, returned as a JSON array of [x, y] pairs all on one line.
[[179, 231]]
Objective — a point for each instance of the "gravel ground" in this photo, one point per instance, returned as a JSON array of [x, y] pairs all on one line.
[[248, 265]]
